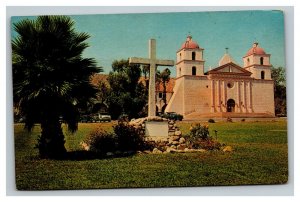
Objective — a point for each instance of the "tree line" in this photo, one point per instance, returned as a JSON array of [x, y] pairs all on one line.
[[279, 77], [126, 91]]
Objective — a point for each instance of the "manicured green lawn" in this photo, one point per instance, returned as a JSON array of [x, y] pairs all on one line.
[[259, 157]]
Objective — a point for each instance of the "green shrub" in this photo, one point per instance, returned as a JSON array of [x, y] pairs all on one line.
[[124, 138], [128, 137], [199, 132], [199, 138], [211, 121], [101, 141], [208, 144], [179, 117]]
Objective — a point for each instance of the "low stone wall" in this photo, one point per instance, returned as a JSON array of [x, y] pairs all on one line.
[[173, 143], [141, 124]]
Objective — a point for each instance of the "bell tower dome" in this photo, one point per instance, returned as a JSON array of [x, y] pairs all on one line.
[[190, 59], [257, 61]]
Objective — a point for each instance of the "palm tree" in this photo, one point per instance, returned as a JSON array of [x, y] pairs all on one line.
[[146, 71], [51, 79], [164, 78]]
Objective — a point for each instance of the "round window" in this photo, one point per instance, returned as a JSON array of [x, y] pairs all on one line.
[[230, 84]]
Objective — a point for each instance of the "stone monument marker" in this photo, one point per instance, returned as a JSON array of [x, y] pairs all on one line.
[[155, 128]]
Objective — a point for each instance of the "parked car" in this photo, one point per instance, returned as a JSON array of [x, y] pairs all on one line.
[[98, 117], [86, 119], [104, 117], [172, 116]]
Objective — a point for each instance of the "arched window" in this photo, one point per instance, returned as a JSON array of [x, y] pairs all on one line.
[[193, 55], [261, 60], [179, 56], [248, 61], [194, 70], [179, 73], [262, 75]]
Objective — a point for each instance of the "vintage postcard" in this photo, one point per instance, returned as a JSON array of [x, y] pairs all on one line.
[[149, 100]]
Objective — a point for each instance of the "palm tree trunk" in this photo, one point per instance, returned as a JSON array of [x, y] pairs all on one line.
[[51, 142], [164, 92]]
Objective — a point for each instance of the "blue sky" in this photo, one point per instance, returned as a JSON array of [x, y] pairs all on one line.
[[120, 36]]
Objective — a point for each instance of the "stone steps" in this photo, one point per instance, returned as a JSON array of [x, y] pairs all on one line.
[[198, 115]]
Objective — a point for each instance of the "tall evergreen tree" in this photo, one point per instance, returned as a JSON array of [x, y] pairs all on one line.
[[279, 77]]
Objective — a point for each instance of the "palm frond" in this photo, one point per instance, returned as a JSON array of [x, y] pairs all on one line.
[[50, 76]]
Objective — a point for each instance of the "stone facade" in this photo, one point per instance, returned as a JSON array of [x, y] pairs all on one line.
[[225, 91]]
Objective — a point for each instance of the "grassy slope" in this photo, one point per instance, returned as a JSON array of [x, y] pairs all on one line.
[[260, 157]]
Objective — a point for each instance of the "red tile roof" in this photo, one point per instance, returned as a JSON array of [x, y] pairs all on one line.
[[255, 50], [189, 44], [169, 85], [96, 78]]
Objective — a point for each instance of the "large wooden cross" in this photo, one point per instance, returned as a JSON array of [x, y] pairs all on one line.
[[153, 62]]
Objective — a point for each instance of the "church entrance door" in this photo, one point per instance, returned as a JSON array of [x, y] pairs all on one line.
[[230, 105]]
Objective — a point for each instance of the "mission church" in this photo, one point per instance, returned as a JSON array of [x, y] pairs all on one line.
[[225, 91]]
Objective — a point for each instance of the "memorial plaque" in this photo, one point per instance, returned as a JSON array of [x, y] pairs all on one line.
[[157, 129]]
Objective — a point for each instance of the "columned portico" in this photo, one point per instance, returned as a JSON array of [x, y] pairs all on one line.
[[212, 96], [245, 97], [250, 97], [239, 107], [224, 96], [219, 96]]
